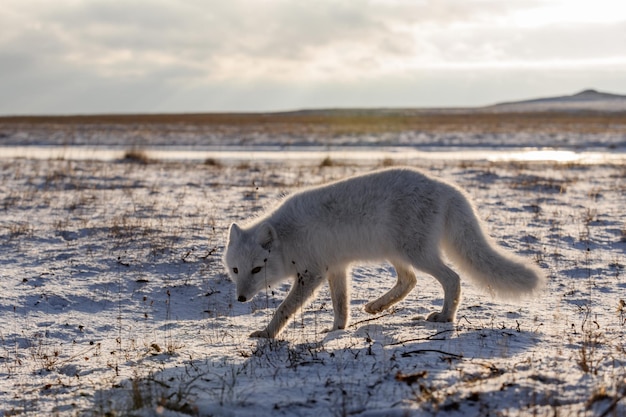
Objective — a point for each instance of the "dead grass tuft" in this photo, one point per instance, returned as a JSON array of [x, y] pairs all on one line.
[[327, 162], [137, 156], [212, 162]]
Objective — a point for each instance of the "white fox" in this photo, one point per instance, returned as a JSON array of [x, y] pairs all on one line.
[[400, 215]]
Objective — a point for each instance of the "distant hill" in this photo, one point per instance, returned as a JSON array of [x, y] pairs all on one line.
[[586, 100]]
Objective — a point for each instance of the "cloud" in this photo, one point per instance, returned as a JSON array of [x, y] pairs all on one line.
[[211, 52], [115, 38]]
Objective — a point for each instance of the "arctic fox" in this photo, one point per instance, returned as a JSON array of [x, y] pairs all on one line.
[[400, 215]]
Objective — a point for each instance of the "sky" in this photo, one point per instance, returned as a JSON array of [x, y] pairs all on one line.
[[173, 56]]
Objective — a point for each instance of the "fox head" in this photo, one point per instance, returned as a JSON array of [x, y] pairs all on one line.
[[253, 259]]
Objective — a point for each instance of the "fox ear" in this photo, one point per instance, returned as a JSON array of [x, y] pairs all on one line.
[[266, 235], [235, 232]]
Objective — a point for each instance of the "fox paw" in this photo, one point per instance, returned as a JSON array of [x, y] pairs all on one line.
[[334, 329], [439, 318], [261, 334], [372, 308]]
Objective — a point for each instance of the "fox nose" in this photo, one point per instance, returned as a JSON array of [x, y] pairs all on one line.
[[241, 299]]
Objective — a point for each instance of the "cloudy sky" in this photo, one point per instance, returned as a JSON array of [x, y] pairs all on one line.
[[110, 56]]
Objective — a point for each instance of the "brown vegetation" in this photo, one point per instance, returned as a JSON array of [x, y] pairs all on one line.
[[355, 121]]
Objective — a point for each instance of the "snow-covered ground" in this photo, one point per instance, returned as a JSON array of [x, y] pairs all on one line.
[[118, 137], [114, 300]]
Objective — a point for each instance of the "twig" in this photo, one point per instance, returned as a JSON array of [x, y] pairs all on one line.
[[419, 351], [418, 339], [393, 311], [211, 252]]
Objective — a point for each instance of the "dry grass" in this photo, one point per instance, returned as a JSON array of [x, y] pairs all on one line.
[[336, 122], [137, 156]]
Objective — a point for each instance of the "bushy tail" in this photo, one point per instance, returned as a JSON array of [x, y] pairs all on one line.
[[490, 267]]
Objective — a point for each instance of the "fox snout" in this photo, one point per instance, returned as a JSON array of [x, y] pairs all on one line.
[[247, 291]]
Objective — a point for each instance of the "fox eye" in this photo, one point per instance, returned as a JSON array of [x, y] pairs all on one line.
[[235, 270], [256, 270]]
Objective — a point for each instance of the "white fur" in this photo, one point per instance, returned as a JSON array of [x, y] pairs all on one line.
[[398, 215]]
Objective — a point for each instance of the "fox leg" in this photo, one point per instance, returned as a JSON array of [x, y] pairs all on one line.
[[340, 295], [405, 283], [301, 291], [451, 284]]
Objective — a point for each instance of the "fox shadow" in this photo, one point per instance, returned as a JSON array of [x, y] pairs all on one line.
[[364, 371]]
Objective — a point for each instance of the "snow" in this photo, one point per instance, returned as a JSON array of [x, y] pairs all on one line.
[[115, 302], [425, 140], [344, 154]]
